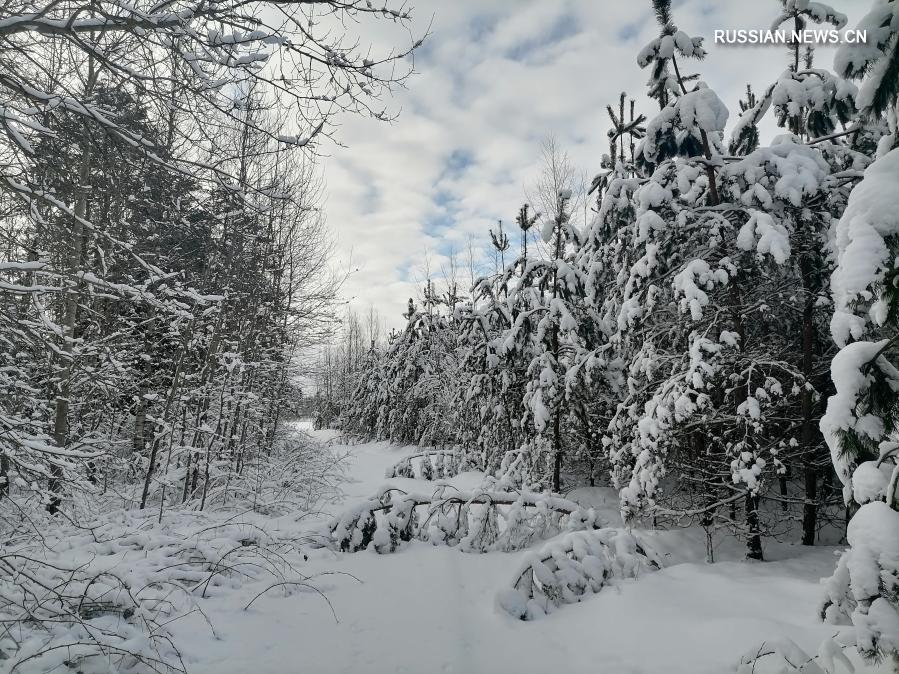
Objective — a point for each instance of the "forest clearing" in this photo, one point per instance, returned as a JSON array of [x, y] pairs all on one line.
[[517, 336]]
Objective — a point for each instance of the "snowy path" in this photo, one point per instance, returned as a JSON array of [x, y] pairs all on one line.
[[431, 609]]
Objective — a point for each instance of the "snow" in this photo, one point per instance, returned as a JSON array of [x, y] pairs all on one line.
[[797, 172], [863, 258], [700, 109], [879, 24], [873, 530], [435, 609], [696, 275], [866, 577], [703, 108], [773, 238], [870, 480], [850, 382]]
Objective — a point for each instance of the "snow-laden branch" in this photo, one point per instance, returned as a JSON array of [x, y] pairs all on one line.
[[451, 516], [566, 570]]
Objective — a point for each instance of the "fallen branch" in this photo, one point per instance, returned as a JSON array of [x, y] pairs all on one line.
[[391, 516], [581, 563]]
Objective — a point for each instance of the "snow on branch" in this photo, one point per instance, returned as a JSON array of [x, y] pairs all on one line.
[[784, 655], [450, 517], [581, 563], [74, 609], [431, 465]]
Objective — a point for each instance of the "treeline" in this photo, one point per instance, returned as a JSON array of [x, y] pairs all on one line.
[[165, 265], [679, 346], [152, 331], [164, 281], [333, 376]]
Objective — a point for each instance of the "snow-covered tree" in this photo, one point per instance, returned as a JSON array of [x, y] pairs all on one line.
[[876, 61], [861, 418]]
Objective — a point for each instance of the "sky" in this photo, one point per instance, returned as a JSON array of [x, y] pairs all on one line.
[[494, 79]]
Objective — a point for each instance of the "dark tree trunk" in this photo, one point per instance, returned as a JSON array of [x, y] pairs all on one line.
[[810, 508], [754, 541], [557, 453], [809, 427], [4, 475]]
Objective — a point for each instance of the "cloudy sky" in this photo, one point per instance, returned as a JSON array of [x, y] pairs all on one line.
[[495, 78]]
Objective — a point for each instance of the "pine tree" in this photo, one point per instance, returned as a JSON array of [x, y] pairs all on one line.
[[877, 61], [862, 416]]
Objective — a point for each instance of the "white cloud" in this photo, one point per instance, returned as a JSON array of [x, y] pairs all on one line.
[[494, 79]]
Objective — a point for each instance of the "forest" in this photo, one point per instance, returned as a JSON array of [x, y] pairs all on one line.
[[684, 361]]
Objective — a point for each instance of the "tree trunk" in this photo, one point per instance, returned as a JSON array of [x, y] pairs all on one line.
[[557, 453], [754, 541], [139, 439], [809, 427], [4, 475], [810, 508], [166, 421], [70, 315]]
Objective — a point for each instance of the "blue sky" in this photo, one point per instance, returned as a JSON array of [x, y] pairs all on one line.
[[495, 78]]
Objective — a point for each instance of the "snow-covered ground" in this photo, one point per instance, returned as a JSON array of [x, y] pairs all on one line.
[[433, 609]]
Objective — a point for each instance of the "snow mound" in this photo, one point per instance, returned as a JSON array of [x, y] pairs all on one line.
[[581, 563]]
